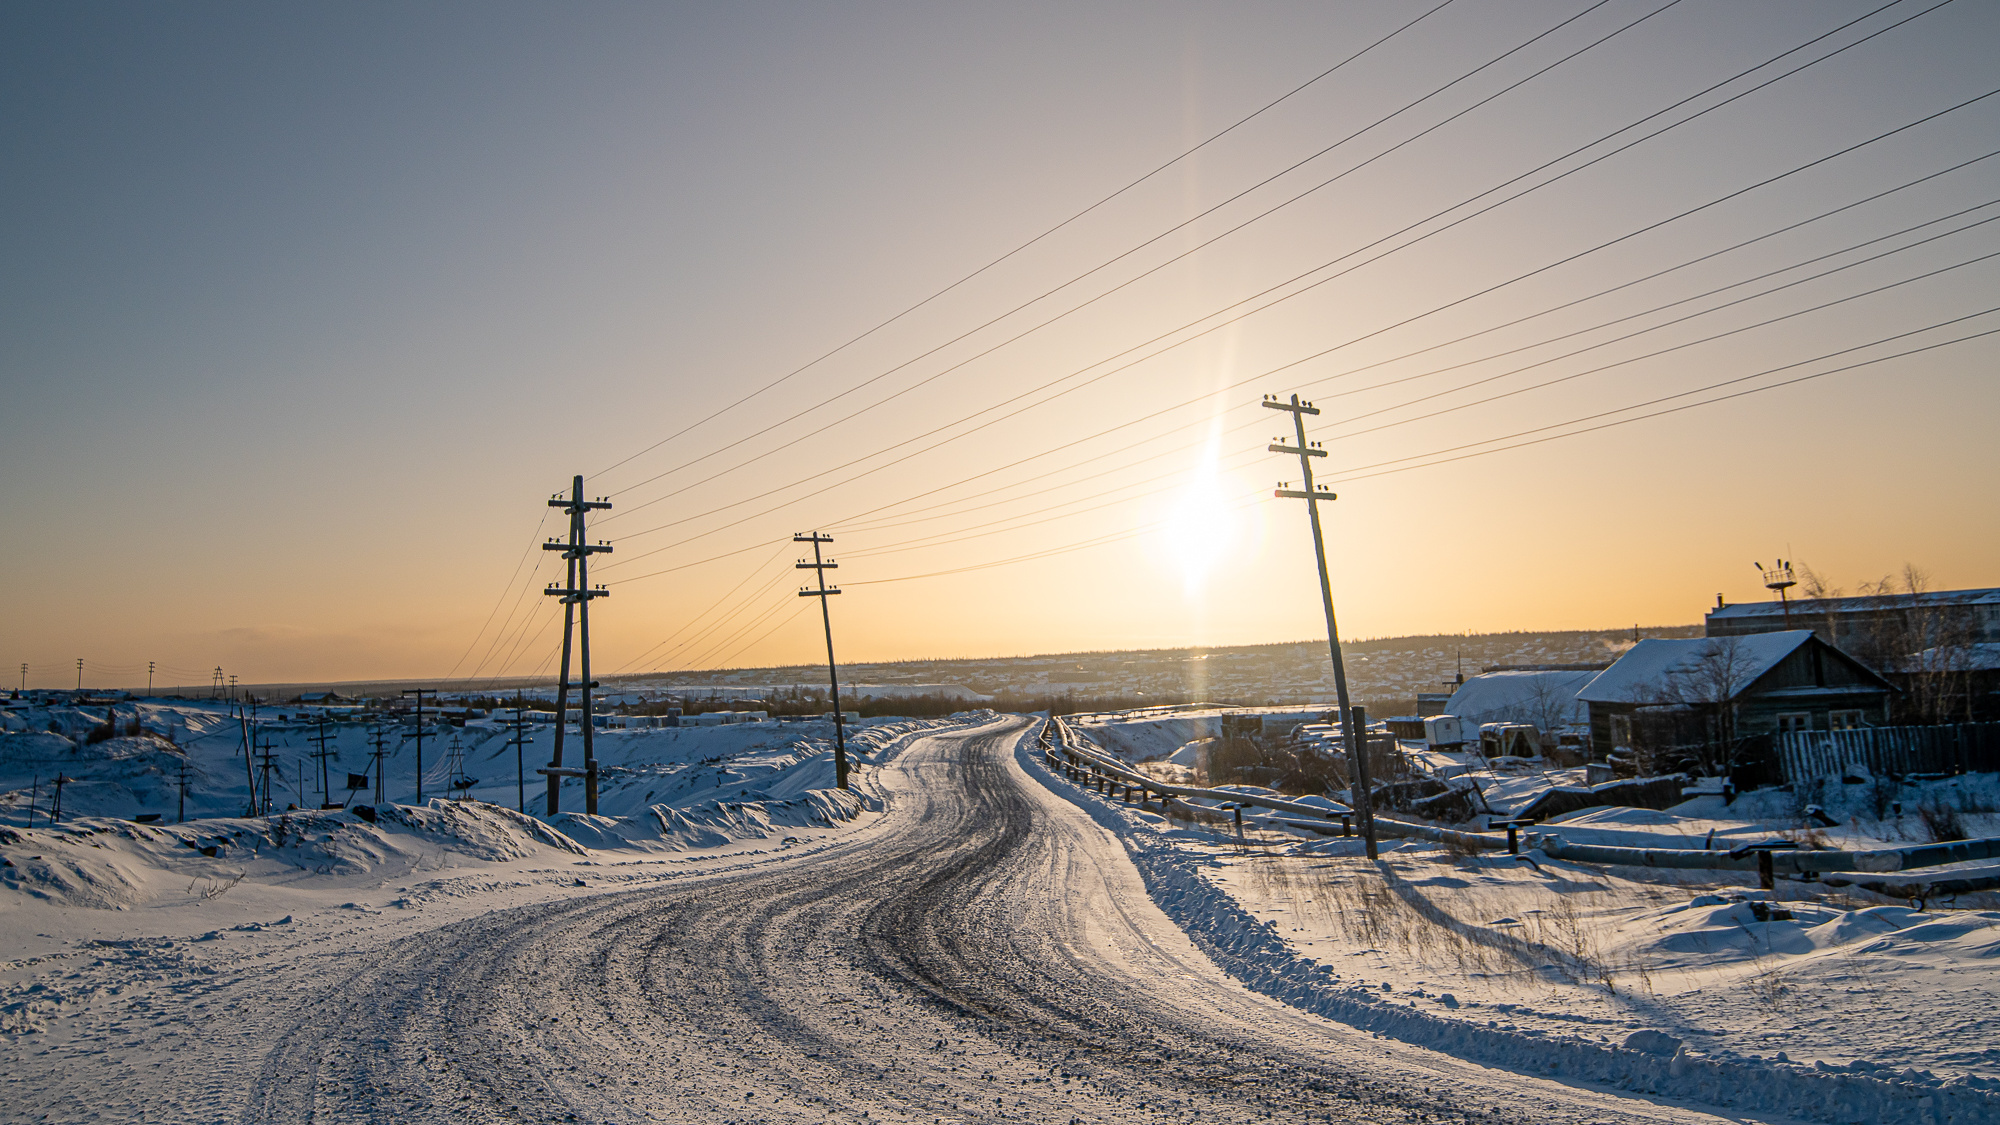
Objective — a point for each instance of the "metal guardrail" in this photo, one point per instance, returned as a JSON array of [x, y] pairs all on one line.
[[1063, 749], [1066, 745], [1799, 862]]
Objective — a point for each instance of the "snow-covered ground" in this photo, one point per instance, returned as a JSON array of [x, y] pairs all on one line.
[[128, 777], [1833, 1003], [673, 794]]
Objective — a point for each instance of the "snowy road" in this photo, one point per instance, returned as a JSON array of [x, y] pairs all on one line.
[[986, 953]]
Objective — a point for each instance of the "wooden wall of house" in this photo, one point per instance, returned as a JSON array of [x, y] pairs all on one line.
[[1816, 665]]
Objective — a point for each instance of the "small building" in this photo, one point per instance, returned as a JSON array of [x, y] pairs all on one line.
[[1691, 703], [1893, 623], [1544, 696]]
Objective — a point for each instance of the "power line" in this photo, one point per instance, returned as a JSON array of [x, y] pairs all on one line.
[[1148, 242], [533, 538], [1358, 473], [1562, 261], [1358, 250], [1653, 354], [1183, 155], [1526, 347]]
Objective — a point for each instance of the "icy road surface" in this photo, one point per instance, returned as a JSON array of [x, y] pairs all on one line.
[[986, 953]]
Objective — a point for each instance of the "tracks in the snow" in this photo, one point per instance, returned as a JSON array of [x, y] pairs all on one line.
[[969, 961]]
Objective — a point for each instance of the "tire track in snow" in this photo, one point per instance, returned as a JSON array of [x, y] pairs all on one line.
[[988, 956]]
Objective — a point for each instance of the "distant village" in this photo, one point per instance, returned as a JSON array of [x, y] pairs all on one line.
[[1753, 693]]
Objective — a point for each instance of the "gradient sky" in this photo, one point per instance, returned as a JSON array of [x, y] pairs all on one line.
[[307, 309]]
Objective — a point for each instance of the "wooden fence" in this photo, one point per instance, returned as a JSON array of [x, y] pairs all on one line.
[[1956, 748]]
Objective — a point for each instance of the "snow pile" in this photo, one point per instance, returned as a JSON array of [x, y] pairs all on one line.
[[1573, 972], [758, 795], [1150, 737], [108, 864], [731, 785]]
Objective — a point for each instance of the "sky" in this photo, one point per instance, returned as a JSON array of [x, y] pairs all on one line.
[[308, 310]]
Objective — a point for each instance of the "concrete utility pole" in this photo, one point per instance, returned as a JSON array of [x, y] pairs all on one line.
[[1357, 740], [419, 693], [821, 566], [576, 598]]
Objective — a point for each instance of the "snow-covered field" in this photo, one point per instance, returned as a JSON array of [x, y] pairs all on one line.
[[1834, 1003]]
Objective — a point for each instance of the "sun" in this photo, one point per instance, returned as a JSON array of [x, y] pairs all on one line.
[[1203, 525]]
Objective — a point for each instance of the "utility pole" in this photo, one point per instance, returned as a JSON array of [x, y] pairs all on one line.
[[183, 815], [79, 674], [249, 765], [215, 686], [55, 812], [520, 743], [821, 566], [1357, 741], [24, 677], [149, 678], [267, 760], [576, 597], [320, 737], [232, 685], [380, 742], [419, 693], [455, 778]]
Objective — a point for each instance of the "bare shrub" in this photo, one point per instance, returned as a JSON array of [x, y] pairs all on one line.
[[1881, 796], [1941, 823]]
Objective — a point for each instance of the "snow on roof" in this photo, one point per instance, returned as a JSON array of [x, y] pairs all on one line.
[[1865, 604], [1983, 656], [1546, 699], [1650, 665]]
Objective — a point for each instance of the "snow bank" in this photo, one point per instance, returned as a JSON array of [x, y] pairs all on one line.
[[102, 862], [109, 864]]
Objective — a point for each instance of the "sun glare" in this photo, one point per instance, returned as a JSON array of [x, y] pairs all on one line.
[[1202, 527]]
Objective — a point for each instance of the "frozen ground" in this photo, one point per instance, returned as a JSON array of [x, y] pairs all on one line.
[[1836, 1004], [980, 950]]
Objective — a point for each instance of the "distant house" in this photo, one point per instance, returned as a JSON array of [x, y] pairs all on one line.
[[1950, 683], [323, 697], [1545, 697], [1691, 703]]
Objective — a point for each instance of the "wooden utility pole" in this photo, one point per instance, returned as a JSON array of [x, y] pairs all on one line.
[[320, 738], [821, 566], [380, 744], [576, 597], [519, 742], [419, 693], [249, 757], [1350, 720]]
